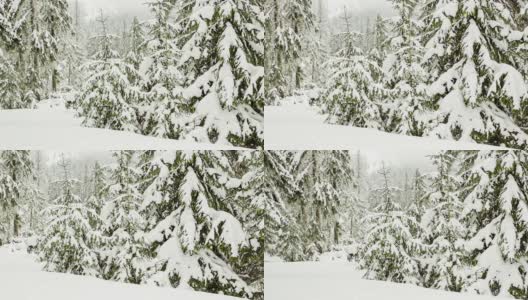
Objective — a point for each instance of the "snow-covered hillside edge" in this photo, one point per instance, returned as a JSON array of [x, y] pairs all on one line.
[[298, 125], [342, 281], [18, 269], [52, 126]]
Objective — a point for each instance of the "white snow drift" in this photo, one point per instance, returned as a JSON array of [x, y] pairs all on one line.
[[22, 279], [341, 281], [53, 127], [298, 126]]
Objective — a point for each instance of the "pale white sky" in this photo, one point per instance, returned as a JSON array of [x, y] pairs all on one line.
[[138, 7], [132, 7], [359, 5], [135, 6]]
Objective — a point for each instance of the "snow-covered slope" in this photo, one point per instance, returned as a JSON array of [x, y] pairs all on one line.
[[298, 126], [341, 281], [21, 278], [51, 126]]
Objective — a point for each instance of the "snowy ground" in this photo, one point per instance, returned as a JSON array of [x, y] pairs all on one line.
[[296, 125], [53, 127], [341, 281], [22, 279]]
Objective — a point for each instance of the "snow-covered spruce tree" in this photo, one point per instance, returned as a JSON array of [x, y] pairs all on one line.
[[98, 193], [318, 47], [96, 204], [74, 52], [97, 265], [223, 62], [16, 172], [317, 55], [342, 179], [301, 22], [443, 231], [57, 20], [477, 88], [351, 95], [9, 195], [337, 183], [192, 230], [495, 214], [136, 45], [381, 42], [19, 165], [520, 9], [108, 96], [418, 199], [122, 222], [390, 251], [250, 205], [317, 206], [283, 233], [69, 244], [10, 85], [164, 107], [99, 181], [35, 200], [5, 211], [406, 187], [31, 37], [326, 179], [289, 23], [47, 23], [275, 81], [71, 63], [416, 209], [419, 186], [12, 20], [404, 75]]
